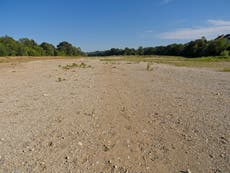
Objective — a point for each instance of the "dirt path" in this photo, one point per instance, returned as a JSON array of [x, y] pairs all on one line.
[[113, 118]]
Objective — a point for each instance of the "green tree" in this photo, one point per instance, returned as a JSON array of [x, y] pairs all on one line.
[[10, 46], [65, 48], [27, 42], [215, 47], [140, 51], [30, 48], [3, 50], [48, 49]]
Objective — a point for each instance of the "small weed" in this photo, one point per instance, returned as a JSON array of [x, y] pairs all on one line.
[[105, 148], [74, 65], [149, 68], [60, 79]]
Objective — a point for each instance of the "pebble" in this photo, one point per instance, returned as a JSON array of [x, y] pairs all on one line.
[[50, 143], [222, 155], [109, 161], [80, 143], [210, 155], [115, 166], [144, 131], [223, 140]]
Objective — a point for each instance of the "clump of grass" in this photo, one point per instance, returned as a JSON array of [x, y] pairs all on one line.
[[75, 65], [149, 67], [3, 61], [226, 69], [60, 79]]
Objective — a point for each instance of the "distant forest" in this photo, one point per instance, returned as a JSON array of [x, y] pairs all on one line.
[[197, 48], [28, 47]]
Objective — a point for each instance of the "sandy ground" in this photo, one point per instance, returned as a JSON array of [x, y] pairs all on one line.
[[113, 118]]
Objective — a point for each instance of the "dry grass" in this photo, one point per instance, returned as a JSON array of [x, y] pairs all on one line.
[[226, 69], [28, 58], [218, 63]]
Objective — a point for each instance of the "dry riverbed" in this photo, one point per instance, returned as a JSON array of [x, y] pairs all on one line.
[[82, 115]]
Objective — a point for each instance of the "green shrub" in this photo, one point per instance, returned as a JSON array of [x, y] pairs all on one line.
[[224, 53]]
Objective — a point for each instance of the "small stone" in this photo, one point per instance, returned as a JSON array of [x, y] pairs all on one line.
[[223, 140], [222, 155], [144, 131], [211, 156], [50, 144], [109, 161], [115, 166], [188, 171], [80, 143], [42, 163], [45, 95]]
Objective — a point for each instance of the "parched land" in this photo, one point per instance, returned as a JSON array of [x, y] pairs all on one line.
[[110, 116]]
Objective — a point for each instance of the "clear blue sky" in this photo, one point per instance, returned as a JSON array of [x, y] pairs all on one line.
[[102, 24]]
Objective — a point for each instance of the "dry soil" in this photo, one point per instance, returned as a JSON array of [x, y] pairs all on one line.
[[113, 117]]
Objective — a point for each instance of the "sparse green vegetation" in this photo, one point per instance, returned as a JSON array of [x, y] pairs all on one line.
[[3, 61], [209, 62], [75, 65], [60, 79], [227, 69]]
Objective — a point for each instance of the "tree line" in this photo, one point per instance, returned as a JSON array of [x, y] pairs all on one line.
[[197, 48], [28, 47]]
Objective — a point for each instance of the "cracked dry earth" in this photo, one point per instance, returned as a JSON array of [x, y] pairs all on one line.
[[113, 118]]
